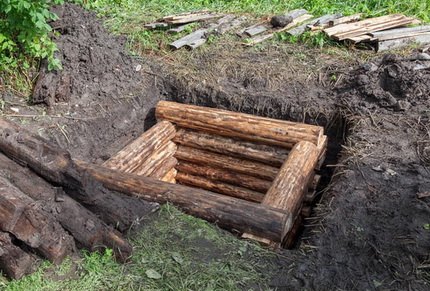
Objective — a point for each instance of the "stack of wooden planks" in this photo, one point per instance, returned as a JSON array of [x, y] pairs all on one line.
[[183, 18], [382, 33], [239, 165]]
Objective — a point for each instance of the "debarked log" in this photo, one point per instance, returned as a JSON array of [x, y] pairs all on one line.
[[272, 155], [252, 168], [228, 212], [156, 160], [85, 227], [56, 165], [229, 177], [246, 126], [219, 187], [132, 155], [291, 184]]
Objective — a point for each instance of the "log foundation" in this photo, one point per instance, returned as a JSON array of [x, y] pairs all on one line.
[[244, 157]]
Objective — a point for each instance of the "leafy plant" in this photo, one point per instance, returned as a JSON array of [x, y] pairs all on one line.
[[25, 33]]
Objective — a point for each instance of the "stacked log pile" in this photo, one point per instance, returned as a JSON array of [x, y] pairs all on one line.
[[244, 161], [40, 220]]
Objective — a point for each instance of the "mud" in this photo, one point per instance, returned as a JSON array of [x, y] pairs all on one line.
[[368, 231]]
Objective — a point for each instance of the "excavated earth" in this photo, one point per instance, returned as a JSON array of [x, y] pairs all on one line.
[[370, 228]]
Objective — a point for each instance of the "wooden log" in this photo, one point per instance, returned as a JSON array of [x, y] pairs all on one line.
[[291, 238], [170, 176], [229, 177], [219, 187], [165, 167], [56, 165], [249, 127], [156, 25], [156, 159], [268, 154], [250, 168], [14, 262], [26, 220], [132, 155], [85, 227], [402, 42], [228, 212], [291, 184]]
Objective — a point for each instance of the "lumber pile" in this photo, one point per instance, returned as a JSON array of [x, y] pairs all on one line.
[[224, 167], [40, 220]]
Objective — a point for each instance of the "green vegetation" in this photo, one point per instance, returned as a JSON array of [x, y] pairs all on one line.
[[176, 252]]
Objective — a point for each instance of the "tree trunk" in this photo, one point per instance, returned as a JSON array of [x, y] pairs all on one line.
[[14, 262], [251, 168], [229, 177], [272, 155], [249, 127], [56, 165], [86, 228], [228, 212], [26, 220]]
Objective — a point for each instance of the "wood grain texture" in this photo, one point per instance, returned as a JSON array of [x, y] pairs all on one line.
[[291, 184], [251, 168], [227, 123], [133, 154], [228, 212], [165, 167], [156, 159], [229, 177], [273, 155], [219, 187]]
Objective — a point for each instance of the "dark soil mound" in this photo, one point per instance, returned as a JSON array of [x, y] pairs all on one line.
[[106, 93]]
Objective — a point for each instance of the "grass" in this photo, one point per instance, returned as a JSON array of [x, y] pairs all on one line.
[[176, 252]]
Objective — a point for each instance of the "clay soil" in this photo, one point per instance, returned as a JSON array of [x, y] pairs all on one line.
[[369, 229]]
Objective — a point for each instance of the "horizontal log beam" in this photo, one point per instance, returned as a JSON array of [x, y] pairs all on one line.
[[252, 168], [165, 167], [219, 187], [273, 155], [228, 212], [156, 159], [229, 177], [246, 126], [133, 154]]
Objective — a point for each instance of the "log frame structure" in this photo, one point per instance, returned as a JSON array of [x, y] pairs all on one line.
[[229, 157]]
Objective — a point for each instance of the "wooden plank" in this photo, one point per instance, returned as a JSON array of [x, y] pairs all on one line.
[[373, 28], [219, 187], [178, 29], [225, 27], [251, 168], [195, 43], [171, 17], [193, 18], [401, 32], [246, 126], [347, 27], [314, 22], [192, 37], [402, 42], [156, 25], [254, 30], [261, 38], [227, 212], [345, 19]]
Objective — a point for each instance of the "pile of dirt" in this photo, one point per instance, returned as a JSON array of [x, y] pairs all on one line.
[[370, 229], [105, 94]]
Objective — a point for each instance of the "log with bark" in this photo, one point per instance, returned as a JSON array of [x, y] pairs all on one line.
[[56, 166], [272, 155], [250, 127], [228, 212], [86, 228]]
